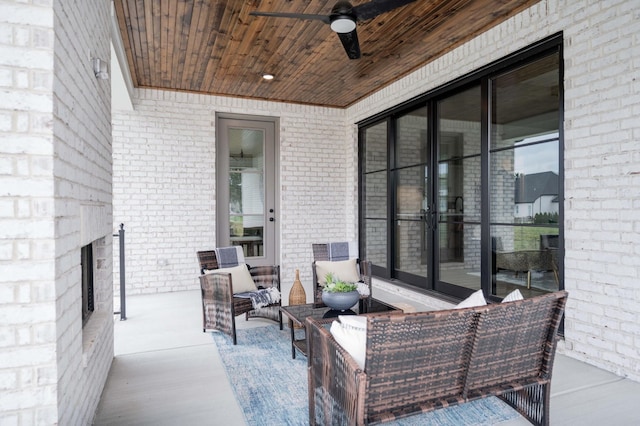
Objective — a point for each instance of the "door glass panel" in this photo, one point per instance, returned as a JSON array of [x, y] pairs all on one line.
[[376, 244], [246, 190], [459, 191], [524, 258], [375, 148], [412, 209], [412, 232], [374, 189], [524, 178], [411, 138]]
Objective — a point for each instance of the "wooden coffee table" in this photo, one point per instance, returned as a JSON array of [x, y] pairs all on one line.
[[297, 315]]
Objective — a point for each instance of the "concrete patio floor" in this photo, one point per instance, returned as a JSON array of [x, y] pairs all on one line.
[[166, 371]]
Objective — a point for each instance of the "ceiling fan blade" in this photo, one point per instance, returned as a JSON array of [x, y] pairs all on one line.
[[377, 7], [322, 18], [350, 43]]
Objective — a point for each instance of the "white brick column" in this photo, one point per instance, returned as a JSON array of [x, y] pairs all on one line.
[[55, 156]]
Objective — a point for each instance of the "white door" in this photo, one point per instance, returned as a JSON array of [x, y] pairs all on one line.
[[246, 206]]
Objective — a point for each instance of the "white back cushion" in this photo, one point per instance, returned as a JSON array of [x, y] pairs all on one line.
[[346, 270], [240, 278], [514, 295], [351, 334], [476, 299]]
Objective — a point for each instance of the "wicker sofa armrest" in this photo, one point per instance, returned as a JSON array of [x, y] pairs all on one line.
[[336, 382]]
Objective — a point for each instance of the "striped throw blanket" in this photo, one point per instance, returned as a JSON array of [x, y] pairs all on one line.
[[262, 297]]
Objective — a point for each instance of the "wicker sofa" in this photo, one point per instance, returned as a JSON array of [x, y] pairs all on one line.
[[423, 361]]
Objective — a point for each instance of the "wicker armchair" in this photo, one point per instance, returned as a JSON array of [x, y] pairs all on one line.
[[419, 362], [322, 252], [220, 307], [527, 261]]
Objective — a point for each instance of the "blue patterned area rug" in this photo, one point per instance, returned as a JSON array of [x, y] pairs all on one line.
[[271, 388]]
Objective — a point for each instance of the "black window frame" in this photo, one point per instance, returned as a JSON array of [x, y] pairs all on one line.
[[550, 45]]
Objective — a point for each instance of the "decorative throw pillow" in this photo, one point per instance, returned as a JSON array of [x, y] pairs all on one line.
[[351, 334], [514, 295], [240, 278], [476, 299], [346, 270], [356, 322]]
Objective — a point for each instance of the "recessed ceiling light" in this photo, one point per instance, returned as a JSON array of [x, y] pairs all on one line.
[[267, 76]]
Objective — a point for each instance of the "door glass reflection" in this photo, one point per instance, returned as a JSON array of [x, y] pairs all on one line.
[[246, 190]]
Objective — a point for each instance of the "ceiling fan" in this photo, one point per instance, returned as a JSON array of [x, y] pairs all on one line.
[[343, 19]]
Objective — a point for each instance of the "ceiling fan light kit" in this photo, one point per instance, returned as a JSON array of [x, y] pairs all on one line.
[[343, 19], [343, 24]]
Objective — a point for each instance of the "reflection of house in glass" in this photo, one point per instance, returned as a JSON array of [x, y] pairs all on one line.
[[536, 194]]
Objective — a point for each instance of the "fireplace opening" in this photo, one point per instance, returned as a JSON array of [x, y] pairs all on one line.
[[86, 261]]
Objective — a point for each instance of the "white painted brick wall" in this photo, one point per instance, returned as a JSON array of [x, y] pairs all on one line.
[[602, 166], [27, 300], [54, 156], [164, 185], [83, 205]]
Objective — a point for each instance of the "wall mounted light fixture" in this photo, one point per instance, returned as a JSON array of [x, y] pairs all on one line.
[[100, 69]]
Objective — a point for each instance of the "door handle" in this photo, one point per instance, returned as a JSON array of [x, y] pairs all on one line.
[[271, 219], [429, 218], [426, 217], [434, 220]]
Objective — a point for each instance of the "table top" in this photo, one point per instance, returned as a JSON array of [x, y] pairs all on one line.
[[319, 311]]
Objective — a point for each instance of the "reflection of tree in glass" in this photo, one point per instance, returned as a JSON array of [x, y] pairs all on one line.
[[235, 193], [235, 204]]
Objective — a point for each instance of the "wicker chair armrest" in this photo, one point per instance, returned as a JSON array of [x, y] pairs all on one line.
[[217, 287], [317, 289], [336, 382], [218, 310]]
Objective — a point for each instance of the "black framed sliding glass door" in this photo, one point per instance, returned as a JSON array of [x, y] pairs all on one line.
[[461, 188]]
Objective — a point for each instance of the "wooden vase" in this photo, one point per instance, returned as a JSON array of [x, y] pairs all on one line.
[[297, 296]]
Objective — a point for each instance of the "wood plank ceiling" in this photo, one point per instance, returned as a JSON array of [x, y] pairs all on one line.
[[216, 47]]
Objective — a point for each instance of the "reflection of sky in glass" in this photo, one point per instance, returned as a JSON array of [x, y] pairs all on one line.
[[537, 158]]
